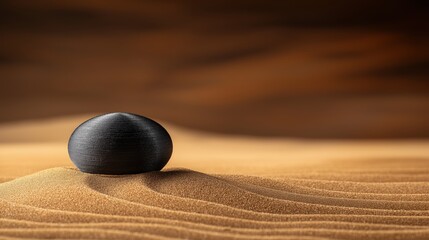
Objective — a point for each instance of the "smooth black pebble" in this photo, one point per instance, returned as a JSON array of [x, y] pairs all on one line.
[[120, 143]]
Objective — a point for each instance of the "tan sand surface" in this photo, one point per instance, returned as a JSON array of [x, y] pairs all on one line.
[[215, 187]]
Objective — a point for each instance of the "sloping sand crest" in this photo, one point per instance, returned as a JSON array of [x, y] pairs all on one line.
[[181, 203], [232, 188]]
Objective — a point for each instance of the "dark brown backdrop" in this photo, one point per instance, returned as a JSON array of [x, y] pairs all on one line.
[[283, 68]]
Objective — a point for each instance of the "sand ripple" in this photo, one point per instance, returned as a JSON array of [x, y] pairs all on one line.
[[183, 204]]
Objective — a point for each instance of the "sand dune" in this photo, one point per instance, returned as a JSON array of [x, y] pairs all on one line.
[[181, 203], [215, 187]]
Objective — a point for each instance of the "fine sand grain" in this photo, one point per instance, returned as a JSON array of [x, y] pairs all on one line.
[[217, 187]]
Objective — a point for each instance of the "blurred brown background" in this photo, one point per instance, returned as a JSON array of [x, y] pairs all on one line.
[[323, 69]]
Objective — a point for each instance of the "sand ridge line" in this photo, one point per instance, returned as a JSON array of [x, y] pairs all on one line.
[[9, 223], [202, 203], [284, 185], [188, 204], [20, 211], [291, 233]]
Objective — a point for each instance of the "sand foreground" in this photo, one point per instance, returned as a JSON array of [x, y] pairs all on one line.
[[216, 187]]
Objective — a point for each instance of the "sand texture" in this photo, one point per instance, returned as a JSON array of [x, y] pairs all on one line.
[[217, 187]]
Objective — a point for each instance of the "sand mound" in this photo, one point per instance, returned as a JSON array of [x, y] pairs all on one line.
[[238, 188], [180, 203]]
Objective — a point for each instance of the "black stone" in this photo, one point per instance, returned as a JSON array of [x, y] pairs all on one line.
[[120, 143]]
